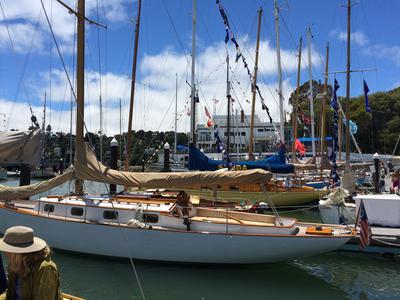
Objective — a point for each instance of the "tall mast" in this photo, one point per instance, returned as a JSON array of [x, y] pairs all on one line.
[[101, 129], [324, 160], [176, 110], [310, 91], [131, 103], [120, 129], [44, 113], [193, 87], [80, 87], [70, 129], [348, 86], [278, 58], [254, 83], [295, 103], [228, 96]]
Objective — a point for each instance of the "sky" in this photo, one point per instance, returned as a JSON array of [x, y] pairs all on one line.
[[30, 65]]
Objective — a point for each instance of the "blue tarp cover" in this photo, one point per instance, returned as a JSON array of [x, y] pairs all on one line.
[[275, 164]]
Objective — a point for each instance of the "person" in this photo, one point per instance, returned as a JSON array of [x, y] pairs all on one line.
[[395, 183], [31, 272]]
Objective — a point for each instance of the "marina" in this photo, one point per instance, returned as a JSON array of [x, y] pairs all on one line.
[[286, 185]]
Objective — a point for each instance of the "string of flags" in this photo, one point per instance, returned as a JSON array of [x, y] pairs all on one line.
[[230, 37], [335, 147], [366, 90]]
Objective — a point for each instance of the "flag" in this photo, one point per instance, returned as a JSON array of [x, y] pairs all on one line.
[[334, 104], [365, 230], [366, 90], [218, 142], [300, 147], [208, 115], [242, 116]]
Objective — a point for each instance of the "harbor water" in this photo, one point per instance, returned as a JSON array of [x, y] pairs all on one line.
[[336, 275]]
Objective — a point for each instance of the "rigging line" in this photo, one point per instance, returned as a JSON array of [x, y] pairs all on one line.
[[64, 67], [167, 111], [187, 56], [17, 61]]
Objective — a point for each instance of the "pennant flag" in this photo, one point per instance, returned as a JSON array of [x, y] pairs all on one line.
[[207, 112], [365, 230], [218, 142], [366, 90], [353, 127], [334, 105], [300, 147]]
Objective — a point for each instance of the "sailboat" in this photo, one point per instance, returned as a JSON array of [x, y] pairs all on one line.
[[153, 229], [283, 195]]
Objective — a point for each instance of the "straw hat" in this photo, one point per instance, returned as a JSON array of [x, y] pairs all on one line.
[[20, 239]]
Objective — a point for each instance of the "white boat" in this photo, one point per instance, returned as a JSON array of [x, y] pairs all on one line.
[[382, 210], [157, 231]]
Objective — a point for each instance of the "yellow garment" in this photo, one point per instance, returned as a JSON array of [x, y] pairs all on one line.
[[43, 283]]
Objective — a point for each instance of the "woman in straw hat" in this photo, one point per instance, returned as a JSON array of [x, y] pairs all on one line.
[[31, 273]]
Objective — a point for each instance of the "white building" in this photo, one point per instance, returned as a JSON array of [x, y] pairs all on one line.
[[265, 138]]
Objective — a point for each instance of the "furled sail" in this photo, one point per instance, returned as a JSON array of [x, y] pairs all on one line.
[[19, 192], [18, 147], [87, 167]]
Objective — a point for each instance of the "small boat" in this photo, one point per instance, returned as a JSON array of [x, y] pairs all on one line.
[[382, 209], [42, 173], [279, 194]]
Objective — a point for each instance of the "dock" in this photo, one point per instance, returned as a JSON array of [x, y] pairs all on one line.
[[384, 240]]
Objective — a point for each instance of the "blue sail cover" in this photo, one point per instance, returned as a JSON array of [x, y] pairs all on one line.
[[275, 164]]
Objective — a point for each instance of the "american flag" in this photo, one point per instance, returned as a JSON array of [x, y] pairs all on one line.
[[365, 230]]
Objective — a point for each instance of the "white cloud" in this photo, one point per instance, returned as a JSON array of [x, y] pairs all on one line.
[[356, 37], [387, 52], [23, 15], [24, 36]]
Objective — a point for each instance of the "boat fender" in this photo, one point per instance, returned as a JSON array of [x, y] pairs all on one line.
[[136, 224], [187, 222]]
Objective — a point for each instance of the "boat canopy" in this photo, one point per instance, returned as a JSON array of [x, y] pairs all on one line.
[[20, 192], [87, 167], [275, 164], [17, 147]]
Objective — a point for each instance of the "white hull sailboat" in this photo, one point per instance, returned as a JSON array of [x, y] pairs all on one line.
[[102, 227]]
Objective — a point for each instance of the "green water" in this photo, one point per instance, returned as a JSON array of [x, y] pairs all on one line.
[[336, 275]]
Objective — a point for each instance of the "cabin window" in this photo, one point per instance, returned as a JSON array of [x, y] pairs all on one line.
[[110, 214], [150, 218], [48, 208], [77, 211]]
